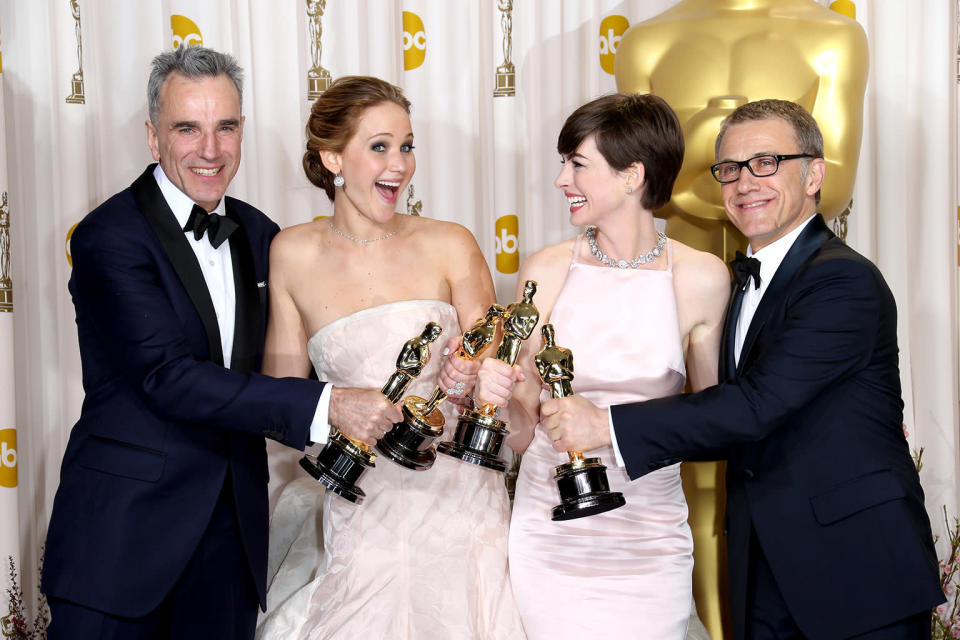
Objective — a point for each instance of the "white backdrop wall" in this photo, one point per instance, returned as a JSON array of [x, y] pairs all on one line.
[[480, 158]]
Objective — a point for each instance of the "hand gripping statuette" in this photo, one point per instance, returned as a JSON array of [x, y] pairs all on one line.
[[343, 461], [410, 443], [480, 433], [582, 482]]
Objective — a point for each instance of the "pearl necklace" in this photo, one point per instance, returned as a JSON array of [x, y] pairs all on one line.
[[650, 256], [353, 238]]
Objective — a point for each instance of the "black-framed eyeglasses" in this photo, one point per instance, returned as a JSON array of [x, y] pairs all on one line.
[[760, 166]]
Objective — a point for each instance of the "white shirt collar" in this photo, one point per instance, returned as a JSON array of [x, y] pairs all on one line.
[[179, 202], [773, 254]]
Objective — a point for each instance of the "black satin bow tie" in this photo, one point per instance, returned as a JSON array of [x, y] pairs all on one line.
[[218, 228], [745, 268]]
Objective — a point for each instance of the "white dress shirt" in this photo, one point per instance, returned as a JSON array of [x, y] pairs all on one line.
[[770, 258], [216, 265]]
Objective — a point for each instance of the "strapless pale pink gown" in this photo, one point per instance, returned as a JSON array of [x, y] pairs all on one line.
[[625, 573], [425, 555]]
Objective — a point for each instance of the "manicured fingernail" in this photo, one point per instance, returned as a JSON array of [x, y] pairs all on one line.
[[446, 351]]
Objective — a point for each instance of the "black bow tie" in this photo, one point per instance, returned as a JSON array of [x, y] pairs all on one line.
[[745, 268], [218, 228]]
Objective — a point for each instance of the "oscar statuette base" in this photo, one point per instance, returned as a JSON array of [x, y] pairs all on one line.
[[410, 443], [339, 467], [478, 440], [584, 490]]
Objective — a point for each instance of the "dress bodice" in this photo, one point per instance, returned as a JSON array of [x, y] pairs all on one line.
[[622, 327], [360, 350]]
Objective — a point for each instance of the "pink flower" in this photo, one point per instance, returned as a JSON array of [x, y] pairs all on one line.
[[949, 590], [955, 632], [942, 609]]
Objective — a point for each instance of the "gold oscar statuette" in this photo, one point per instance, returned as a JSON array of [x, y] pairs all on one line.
[[318, 78], [343, 461], [704, 58], [582, 482], [480, 433], [76, 82], [506, 73], [410, 442], [6, 281]]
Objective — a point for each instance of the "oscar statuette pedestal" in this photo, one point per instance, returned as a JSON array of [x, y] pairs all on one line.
[[343, 461], [582, 482], [480, 433], [410, 442]]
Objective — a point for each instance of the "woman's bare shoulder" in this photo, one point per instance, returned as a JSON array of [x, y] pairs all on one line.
[[701, 267], [439, 231], [549, 259], [297, 242]]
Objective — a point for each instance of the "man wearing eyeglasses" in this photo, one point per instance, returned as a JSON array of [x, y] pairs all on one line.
[[827, 533]]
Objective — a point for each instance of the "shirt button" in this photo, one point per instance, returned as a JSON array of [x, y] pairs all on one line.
[[213, 263]]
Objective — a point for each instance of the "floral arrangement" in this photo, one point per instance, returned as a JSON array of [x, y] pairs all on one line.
[[15, 624], [946, 618], [945, 623]]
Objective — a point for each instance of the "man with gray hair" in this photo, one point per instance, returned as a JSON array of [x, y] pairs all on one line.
[[159, 526]]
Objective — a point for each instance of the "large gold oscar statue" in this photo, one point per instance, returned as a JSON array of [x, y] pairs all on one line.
[[705, 58]]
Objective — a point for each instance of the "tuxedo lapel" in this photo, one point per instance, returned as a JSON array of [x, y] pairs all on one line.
[[153, 206], [809, 241], [247, 328], [728, 360]]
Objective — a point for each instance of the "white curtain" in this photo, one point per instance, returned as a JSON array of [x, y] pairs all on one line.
[[9, 525], [75, 135]]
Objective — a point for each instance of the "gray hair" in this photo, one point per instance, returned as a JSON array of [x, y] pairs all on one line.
[[190, 62], [805, 129]]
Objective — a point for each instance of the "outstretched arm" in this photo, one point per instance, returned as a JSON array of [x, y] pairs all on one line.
[[122, 299], [362, 414]]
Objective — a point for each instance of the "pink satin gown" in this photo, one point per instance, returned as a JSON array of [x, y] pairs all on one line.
[[625, 573]]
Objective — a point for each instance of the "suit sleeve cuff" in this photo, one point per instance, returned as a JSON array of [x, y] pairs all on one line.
[[613, 440], [320, 428]]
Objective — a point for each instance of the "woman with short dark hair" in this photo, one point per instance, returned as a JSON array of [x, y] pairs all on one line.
[[642, 316]]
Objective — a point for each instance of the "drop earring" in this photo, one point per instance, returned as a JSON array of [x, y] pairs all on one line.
[[338, 180]]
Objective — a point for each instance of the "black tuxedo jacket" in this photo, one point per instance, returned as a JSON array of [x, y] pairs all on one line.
[[163, 422], [811, 425]]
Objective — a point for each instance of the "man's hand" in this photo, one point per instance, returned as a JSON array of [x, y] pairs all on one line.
[[575, 424], [362, 414], [495, 382]]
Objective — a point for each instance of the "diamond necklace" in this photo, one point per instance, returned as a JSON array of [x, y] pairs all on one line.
[[650, 256], [353, 238]]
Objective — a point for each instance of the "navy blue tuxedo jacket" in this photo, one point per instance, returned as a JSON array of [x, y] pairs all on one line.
[[163, 422], [810, 424]]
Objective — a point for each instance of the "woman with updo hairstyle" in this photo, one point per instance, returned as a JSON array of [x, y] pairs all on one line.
[[424, 556], [642, 315]]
